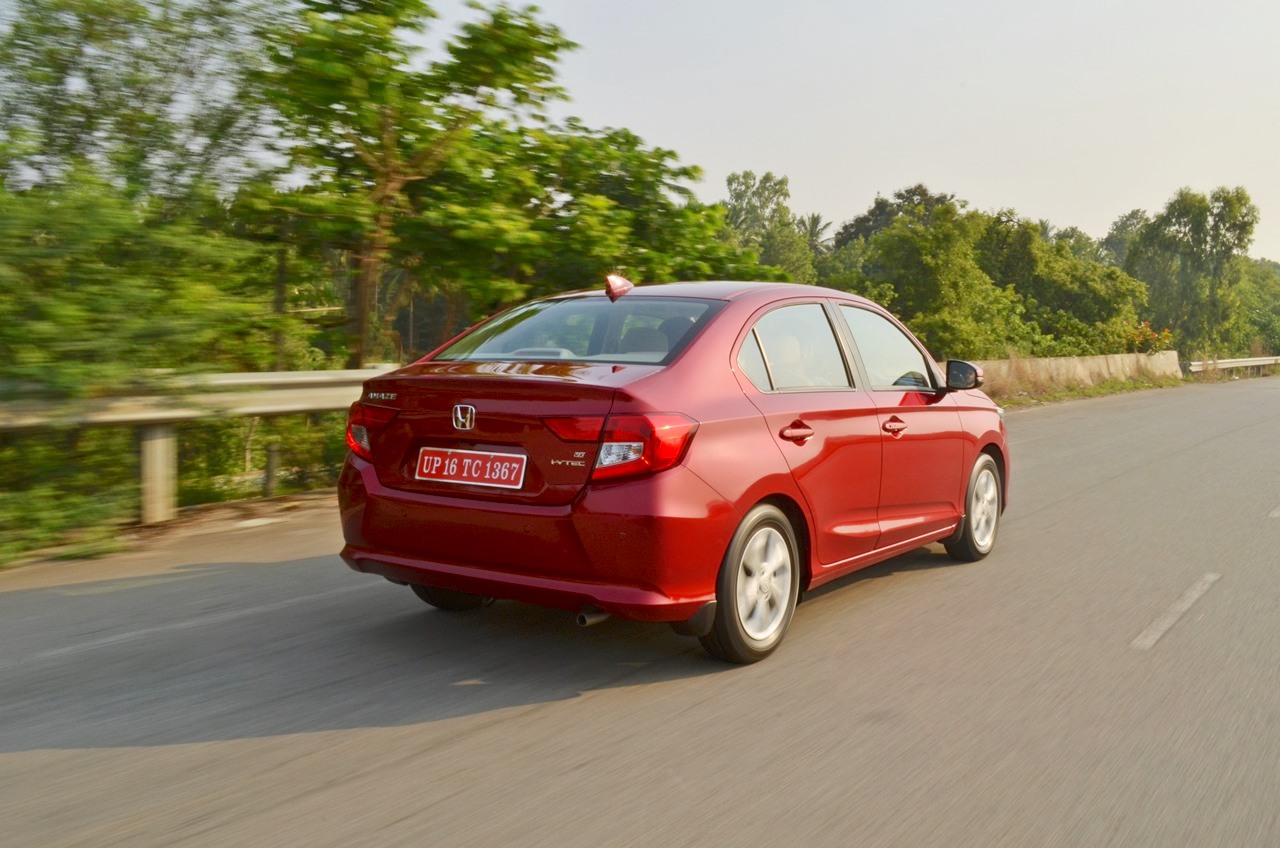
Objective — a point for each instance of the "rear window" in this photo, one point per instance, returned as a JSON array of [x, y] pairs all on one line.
[[649, 330]]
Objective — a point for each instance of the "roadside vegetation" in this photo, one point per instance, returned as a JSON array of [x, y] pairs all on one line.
[[337, 194]]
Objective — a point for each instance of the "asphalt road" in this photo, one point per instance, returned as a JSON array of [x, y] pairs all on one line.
[[1110, 676]]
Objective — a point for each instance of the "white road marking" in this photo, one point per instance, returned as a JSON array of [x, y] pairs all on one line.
[[256, 522], [189, 624], [1147, 639]]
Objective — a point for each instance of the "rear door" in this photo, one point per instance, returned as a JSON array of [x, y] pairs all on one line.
[[922, 479], [826, 429]]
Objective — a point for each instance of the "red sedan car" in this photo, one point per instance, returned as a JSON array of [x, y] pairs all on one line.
[[692, 453]]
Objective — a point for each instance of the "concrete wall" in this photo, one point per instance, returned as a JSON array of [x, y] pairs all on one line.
[[1005, 375]]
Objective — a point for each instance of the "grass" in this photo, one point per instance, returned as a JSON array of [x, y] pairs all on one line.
[[1018, 382], [1024, 388], [1019, 395]]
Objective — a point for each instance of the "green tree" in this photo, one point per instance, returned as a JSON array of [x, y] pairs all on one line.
[[754, 205], [759, 216], [783, 246], [96, 293], [366, 118], [295, 270], [928, 258], [1082, 245], [1191, 256], [884, 211], [844, 268], [607, 198], [814, 230], [112, 84], [528, 211], [1256, 329], [1115, 246], [1078, 305]]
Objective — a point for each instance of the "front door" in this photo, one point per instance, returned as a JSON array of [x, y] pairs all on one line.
[[922, 477]]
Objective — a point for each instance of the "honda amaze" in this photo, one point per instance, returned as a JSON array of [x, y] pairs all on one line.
[[693, 453]]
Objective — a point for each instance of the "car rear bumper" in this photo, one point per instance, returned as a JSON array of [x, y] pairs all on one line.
[[647, 549], [622, 601]]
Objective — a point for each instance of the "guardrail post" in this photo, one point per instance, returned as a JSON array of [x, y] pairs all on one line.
[[159, 460], [273, 467]]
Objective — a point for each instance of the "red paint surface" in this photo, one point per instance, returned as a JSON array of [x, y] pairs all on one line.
[[649, 546]]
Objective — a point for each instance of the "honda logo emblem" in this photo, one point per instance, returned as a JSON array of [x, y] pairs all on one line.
[[464, 417]]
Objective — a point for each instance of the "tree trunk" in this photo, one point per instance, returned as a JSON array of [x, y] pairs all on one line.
[[372, 259], [282, 291]]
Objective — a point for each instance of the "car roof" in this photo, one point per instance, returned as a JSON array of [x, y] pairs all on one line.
[[727, 290]]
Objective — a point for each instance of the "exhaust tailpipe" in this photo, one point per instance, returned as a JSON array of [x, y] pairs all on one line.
[[588, 616]]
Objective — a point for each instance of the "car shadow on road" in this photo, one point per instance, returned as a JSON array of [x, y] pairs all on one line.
[[121, 665], [930, 558], [217, 652]]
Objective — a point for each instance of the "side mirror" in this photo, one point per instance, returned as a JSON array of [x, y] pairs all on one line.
[[962, 375]]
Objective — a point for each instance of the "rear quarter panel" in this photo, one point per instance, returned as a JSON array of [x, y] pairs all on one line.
[[733, 451]]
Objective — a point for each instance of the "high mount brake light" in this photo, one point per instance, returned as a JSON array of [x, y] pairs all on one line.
[[616, 286], [361, 419]]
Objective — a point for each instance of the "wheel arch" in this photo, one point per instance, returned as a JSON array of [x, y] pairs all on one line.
[[993, 450]]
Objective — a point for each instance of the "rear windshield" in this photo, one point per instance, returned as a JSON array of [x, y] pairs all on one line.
[[588, 329]]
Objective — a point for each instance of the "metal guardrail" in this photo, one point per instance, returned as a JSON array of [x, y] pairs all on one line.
[[263, 394], [1224, 364], [200, 396]]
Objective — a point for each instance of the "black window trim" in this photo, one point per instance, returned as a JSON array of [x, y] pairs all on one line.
[[764, 357]]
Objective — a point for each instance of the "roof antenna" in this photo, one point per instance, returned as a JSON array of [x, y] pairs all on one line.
[[616, 286]]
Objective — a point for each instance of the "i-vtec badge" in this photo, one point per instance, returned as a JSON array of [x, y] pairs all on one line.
[[464, 417], [381, 395]]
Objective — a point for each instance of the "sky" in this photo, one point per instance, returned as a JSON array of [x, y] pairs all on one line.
[[1072, 112]]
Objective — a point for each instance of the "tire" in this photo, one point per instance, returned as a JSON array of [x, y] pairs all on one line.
[[976, 535], [757, 588], [447, 599]]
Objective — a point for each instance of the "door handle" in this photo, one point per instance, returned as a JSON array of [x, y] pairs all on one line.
[[894, 426], [797, 431]]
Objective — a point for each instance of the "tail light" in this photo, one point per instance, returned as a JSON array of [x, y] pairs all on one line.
[[630, 444], [581, 429], [362, 421]]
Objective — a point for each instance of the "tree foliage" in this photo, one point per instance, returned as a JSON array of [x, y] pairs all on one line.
[[759, 217], [814, 229], [1078, 305], [755, 204], [1190, 256], [97, 292], [366, 119], [927, 257], [154, 96], [916, 199]]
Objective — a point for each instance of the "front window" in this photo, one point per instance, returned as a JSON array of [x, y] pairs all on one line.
[[649, 330], [891, 359]]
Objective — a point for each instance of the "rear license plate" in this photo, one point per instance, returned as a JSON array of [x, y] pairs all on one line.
[[475, 468]]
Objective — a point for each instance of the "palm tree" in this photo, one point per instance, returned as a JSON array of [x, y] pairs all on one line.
[[814, 230]]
